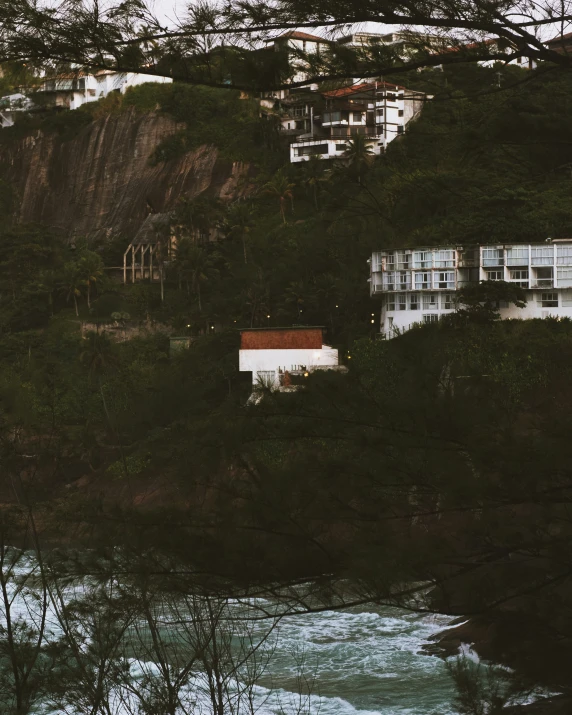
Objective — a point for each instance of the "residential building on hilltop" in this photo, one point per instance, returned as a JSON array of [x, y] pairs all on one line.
[[378, 110], [275, 355], [419, 285]]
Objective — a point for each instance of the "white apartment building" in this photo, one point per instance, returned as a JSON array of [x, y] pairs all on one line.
[[419, 285]]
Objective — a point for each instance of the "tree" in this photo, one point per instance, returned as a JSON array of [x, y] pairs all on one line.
[[90, 270], [239, 221], [72, 282], [195, 266], [314, 175], [281, 188], [480, 301], [359, 153]]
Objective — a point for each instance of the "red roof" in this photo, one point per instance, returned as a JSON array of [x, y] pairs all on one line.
[[281, 339], [296, 35], [354, 88], [559, 38]]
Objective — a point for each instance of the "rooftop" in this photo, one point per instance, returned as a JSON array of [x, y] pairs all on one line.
[[364, 87], [296, 35]]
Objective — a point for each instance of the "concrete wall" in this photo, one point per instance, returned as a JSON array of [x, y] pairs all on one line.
[[271, 361]]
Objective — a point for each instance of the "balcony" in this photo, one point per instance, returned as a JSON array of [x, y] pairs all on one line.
[[543, 283], [345, 132]]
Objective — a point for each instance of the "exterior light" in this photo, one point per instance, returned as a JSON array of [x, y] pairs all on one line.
[[306, 374], [373, 321], [349, 357], [337, 306], [188, 326], [267, 316], [372, 315]]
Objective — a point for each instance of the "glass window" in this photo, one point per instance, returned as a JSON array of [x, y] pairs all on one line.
[[389, 261], [403, 260], [567, 299], [519, 275], [422, 259], [401, 301], [564, 255], [564, 276], [494, 275], [448, 301], [544, 277], [414, 301], [549, 300], [492, 257], [422, 281], [517, 256], [389, 280], [542, 256], [430, 318], [444, 259], [390, 304], [444, 279], [404, 280], [430, 301]]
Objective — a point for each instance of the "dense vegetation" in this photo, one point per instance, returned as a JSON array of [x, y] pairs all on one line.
[[442, 457]]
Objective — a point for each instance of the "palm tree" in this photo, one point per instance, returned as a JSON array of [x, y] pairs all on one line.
[[72, 283], [281, 187], [90, 269], [195, 266], [239, 222], [359, 153], [314, 175]]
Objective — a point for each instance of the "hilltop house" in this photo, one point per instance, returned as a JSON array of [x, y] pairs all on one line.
[[378, 110], [274, 355], [419, 285]]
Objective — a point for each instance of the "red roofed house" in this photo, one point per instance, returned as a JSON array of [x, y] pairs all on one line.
[[271, 353], [379, 110], [296, 42]]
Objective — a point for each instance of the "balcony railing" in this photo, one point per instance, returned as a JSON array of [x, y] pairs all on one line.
[[344, 132], [543, 283]]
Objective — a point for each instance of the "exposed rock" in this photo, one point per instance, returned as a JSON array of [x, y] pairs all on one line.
[[101, 183]]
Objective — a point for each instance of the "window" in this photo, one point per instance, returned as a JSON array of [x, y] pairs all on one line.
[[492, 257], [564, 276], [390, 305], [403, 260], [312, 149], [430, 318], [422, 281], [519, 275], [404, 280], [544, 277], [266, 377], [389, 261], [357, 117], [341, 147], [444, 259], [494, 275], [444, 279], [422, 259], [448, 301], [389, 278], [564, 255], [400, 112], [517, 256], [542, 256], [414, 301], [401, 301], [391, 97], [400, 129], [330, 117], [431, 301], [549, 300], [567, 299]]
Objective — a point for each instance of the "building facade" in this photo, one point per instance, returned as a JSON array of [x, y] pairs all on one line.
[[378, 110], [419, 285], [272, 354]]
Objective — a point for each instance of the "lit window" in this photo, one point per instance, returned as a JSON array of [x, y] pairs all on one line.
[[549, 300], [430, 301]]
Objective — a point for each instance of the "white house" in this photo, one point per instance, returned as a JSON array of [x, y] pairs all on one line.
[[419, 285], [72, 90], [298, 44], [11, 105], [273, 354], [378, 110]]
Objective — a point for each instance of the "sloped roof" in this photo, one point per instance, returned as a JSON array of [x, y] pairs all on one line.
[[355, 88], [296, 35], [559, 38]]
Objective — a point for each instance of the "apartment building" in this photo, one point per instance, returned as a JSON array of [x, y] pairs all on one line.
[[419, 285]]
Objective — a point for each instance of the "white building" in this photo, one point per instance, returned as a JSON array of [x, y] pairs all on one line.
[[10, 106], [73, 90], [418, 285], [298, 45], [378, 110], [273, 354]]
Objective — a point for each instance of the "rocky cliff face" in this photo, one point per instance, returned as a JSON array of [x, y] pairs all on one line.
[[100, 183]]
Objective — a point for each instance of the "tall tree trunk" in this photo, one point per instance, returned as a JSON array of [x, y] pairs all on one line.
[[244, 247], [199, 296], [88, 294], [75, 303]]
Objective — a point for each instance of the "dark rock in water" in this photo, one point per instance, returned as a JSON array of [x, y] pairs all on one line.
[[557, 705], [101, 182]]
